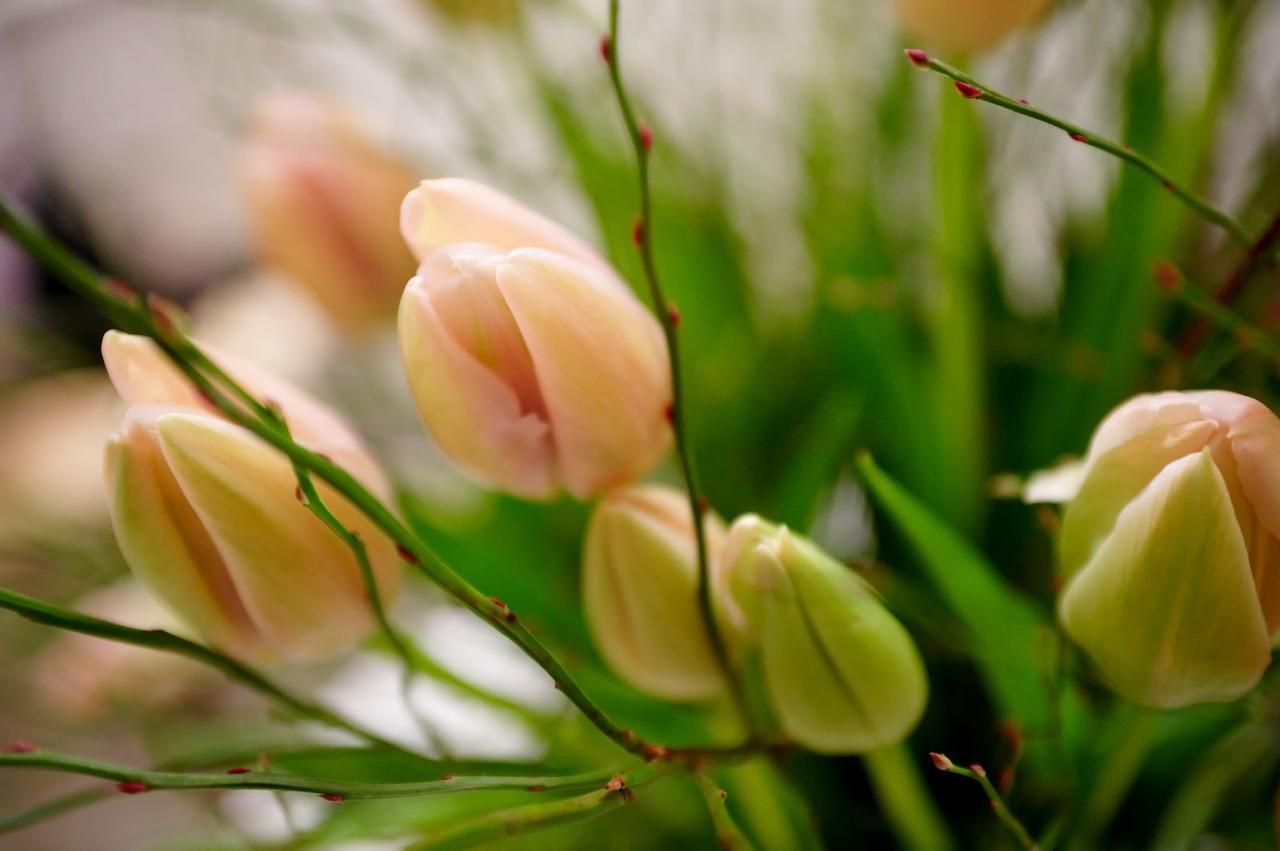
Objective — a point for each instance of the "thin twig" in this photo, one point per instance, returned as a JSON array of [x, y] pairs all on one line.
[[667, 315], [310, 497], [972, 89], [729, 837], [978, 773], [158, 639], [135, 780], [1260, 250], [1170, 280], [618, 791]]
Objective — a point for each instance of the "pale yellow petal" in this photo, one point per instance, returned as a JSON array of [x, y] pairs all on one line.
[[1166, 608]]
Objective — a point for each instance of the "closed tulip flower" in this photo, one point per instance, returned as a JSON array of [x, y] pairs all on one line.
[[968, 26], [841, 673], [207, 517], [535, 372], [1169, 551], [323, 199], [640, 592]]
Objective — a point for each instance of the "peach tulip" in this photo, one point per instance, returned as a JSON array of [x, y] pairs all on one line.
[[964, 27]]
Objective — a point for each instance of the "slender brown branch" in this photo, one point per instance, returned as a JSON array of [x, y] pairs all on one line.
[[1259, 252], [978, 773]]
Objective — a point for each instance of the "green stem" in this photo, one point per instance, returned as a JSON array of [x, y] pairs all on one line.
[[158, 639], [979, 774], [905, 799], [668, 318], [355, 791], [974, 90], [618, 792], [50, 809], [729, 837]]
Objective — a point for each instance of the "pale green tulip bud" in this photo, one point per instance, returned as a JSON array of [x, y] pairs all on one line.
[[534, 372], [841, 673], [1169, 551], [640, 592], [206, 515]]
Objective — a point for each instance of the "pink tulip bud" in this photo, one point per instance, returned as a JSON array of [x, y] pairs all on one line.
[[323, 198], [534, 371], [1170, 551], [965, 27], [640, 592], [204, 514]]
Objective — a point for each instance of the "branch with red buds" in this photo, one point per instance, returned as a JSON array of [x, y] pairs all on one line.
[[619, 791], [973, 90], [978, 773], [642, 234], [133, 780], [158, 639]]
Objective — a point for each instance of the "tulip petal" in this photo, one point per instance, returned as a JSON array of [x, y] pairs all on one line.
[[164, 542], [640, 594], [143, 374], [1117, 475], [1166, 607], [450, 210], [298, 580], [471, 412], [601, 364]]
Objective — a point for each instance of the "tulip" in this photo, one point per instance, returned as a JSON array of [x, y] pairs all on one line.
[[1169, 553], [841, 673], [206, 516], [450, 210], [640, 592], [323, 198], [533, 371], [965, 27]]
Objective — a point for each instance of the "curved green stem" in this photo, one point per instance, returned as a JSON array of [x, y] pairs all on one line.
[[668, 317], [729, 837], [972, 89], [620, 790], [354, 791], [998, 806], [158, 639]]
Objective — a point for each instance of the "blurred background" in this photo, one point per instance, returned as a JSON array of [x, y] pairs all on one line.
[[861, 258]]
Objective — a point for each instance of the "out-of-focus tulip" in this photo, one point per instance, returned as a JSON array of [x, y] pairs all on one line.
[[51, 434], [80, 678], [533, 371], [842, 674], [493, 12], [323, 198], [968, 26], [640, 592], [206, 515], [1169, 552], [450, 210]]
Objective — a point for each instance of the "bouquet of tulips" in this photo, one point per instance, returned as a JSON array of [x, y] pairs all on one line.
[[1086, 640]]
